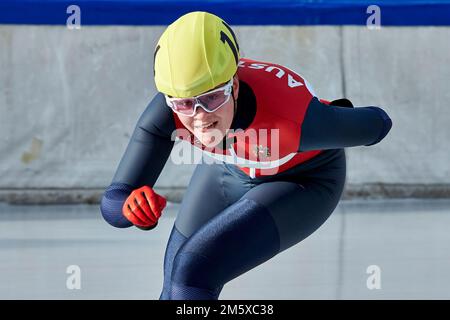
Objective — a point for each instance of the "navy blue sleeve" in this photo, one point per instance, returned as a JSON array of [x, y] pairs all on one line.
[[335, 127], [112, 203], [143, 160]]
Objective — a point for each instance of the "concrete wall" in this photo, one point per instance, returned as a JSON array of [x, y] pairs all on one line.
[[69, 101]]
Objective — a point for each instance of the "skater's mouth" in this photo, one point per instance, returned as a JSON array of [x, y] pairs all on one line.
[[203, 127]]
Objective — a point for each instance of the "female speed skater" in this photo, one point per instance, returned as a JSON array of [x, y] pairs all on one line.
[[261, 195]]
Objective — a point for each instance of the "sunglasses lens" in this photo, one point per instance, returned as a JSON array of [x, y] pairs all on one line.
[[213, 100], [184, 106]]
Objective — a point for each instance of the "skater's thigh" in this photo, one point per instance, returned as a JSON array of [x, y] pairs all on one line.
[[211, 189], [299, 209]]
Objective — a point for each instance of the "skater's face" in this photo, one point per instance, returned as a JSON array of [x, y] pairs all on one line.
[[210, 127]]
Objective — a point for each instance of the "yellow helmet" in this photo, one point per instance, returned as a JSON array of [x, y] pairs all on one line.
[[195, 53]]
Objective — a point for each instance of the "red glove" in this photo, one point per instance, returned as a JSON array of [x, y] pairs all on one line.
[[143, 207]]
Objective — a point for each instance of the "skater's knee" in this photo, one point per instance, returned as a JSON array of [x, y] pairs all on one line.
[[193, 277], [193, 269]]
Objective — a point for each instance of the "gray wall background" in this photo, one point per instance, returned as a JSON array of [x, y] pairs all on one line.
[[69, 101]]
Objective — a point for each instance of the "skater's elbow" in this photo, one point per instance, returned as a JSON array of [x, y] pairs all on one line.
[[385, 124], [111, 205]]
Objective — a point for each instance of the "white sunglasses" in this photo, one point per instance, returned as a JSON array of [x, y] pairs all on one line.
[[209, 101]]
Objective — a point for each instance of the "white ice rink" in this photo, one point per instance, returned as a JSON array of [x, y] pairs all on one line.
[[409, 240]]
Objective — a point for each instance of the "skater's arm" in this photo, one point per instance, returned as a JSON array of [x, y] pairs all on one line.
[[333, 127], [143, 160]]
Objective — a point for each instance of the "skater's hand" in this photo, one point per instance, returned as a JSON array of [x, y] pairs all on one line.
[[143, 207]]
